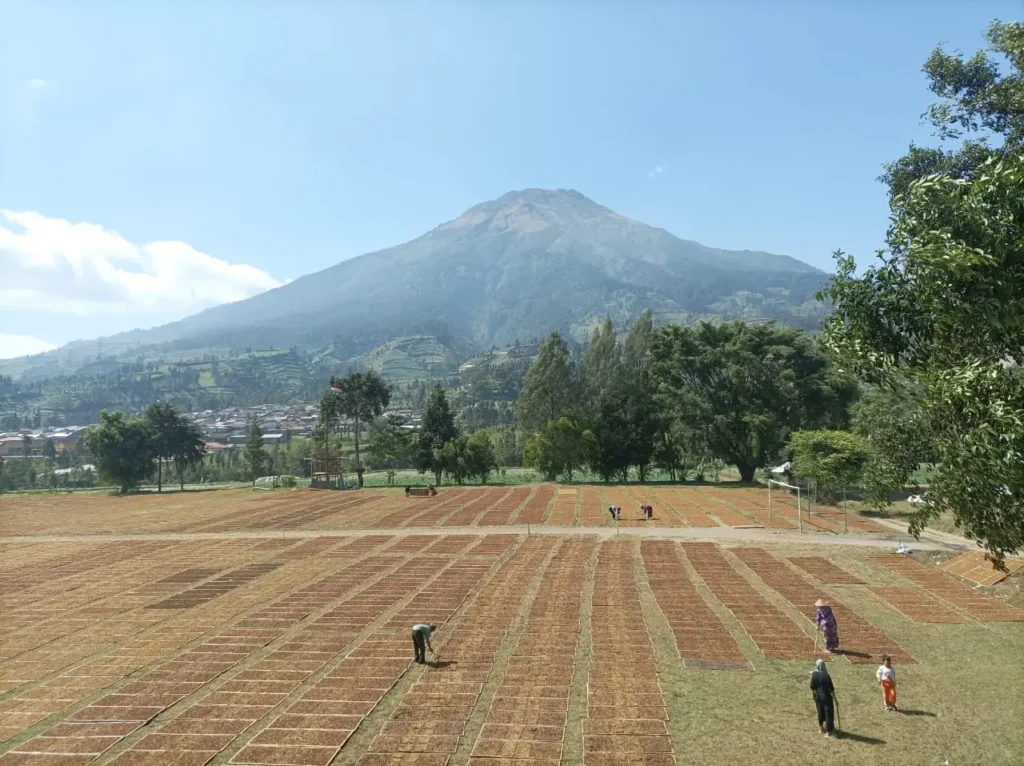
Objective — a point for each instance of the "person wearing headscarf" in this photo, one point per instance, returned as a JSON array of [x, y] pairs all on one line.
[[827, 624], [824, 698]]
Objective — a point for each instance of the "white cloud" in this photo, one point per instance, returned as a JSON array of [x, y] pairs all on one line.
[[82, 269], [12, 346], [657, 170], [38, 83]]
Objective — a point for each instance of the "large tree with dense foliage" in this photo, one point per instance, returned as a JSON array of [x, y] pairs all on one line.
[[390, 445], [359, 396], [618, 399], [833, 460], [550, 388], [482, 460], [437, 428], [123, 449], [742, 389], [175, 439], [561, 449], [942, 313], [899, 437]]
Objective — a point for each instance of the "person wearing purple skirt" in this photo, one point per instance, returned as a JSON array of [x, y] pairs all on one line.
[[827, 624]]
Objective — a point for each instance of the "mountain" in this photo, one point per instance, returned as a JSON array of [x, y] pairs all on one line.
[[513, 268]]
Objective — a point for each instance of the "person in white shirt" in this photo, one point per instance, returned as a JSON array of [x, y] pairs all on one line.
[[886, 675]]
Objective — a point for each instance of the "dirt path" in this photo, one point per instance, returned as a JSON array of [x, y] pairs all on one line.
[[711, 534]]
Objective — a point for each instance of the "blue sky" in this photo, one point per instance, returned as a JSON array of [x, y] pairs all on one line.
[[254, 142]]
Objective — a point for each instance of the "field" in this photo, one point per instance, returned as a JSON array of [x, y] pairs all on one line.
[[273, 628]]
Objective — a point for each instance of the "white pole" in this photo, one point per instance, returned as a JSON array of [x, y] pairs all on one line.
[[799, 512]]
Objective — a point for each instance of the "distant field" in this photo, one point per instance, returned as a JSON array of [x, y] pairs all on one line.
[[259, 628], [247, 510]]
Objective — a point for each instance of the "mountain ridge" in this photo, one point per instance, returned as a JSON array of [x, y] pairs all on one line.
[[518, 266]]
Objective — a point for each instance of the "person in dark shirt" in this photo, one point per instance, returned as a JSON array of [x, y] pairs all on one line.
[[824, 697]]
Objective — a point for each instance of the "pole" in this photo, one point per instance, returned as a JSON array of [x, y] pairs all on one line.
[[846, 514], [769, 498], [799, 511]]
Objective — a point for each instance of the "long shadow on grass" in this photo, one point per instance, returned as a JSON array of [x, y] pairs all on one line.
[[919, 712], [441, 663], [859, 738]]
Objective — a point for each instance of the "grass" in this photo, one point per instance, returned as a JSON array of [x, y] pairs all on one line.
[[903, 511], [953, 709]]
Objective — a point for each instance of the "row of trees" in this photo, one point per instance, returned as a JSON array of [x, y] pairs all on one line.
[[128, 451], [677, 398], [437, 446]]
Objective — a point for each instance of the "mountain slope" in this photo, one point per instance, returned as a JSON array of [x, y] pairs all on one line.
[[513, 268]]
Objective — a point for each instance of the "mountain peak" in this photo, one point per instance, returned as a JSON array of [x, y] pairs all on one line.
[[530, 210]]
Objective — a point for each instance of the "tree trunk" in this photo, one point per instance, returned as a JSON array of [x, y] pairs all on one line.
[[159, 475], [181, 479], [359, 464], [746, 472], [437, 477]]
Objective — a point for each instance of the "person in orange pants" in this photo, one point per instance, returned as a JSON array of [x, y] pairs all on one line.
[[886, 675]]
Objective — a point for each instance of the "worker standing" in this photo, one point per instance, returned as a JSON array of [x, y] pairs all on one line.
[[421, 633]]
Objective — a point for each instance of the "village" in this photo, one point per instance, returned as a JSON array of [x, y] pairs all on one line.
[[223, 429]]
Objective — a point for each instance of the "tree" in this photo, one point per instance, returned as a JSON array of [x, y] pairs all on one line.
[[50, 455], [123, 450], [254, 455], [601, 363], [390, 446], [361, 397], [176, 440], [163, 419], [619, 399], [898, 434], [26, 446], [508, 448], [742, 389], [549, 390], [671, 448], [561, 449], [831, 459], [463, 457], [188, 450], [941, 316], [636, 350], [437, 428], [977, 102], [480, 454]]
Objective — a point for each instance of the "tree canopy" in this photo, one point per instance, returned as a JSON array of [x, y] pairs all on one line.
[[561, 449], [359, 396], [390, 445], [549, 390], [744, 388], [942, 313], [123, 449], [833, 460], [437, 428]]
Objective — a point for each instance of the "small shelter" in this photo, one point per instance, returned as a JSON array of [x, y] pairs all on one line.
[[326, 473]]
